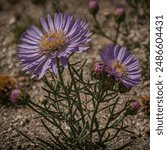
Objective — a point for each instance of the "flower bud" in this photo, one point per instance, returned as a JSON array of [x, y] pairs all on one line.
[[134, 106], [18, 96], [15, 95], [98, 70], [93, 7], [119, 14]]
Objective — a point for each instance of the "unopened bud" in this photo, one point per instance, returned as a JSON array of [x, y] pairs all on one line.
[[119, 14], [18, 96], [93, 7], [98, 70], [133, 107]]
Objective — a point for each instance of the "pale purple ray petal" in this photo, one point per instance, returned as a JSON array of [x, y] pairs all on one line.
[[29, 41], [37, 68], [25, 35], [44, 68], [28, 46], [56, 22], [64, 21], [50, 22], [35, 63], [135, 76], [29, 56], [44, 24], [37, 30], [31, 32], [105, 57], [64, 62], [121, 54], [81, 49], [127, 60], [27, 51], [70, 25], [53, 67]]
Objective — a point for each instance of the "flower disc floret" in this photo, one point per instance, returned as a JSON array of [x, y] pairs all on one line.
[[118, 68], [52, 42]]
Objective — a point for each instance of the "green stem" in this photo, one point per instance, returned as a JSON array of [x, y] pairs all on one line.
[[108, 127], [62, 82], [109, 120], [99, 99], [105, 128], [69, 100], [78, 96], [93, 119], [99, 28], [117, 121], [117, 32], [48, 129], [126, 27], [85, 85], [122, 147], [54, 123]]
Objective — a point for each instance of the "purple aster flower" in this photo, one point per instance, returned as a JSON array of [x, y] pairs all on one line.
[[61, 35], [121, 64]]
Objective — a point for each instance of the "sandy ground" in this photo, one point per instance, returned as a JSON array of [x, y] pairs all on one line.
[[22, 118]]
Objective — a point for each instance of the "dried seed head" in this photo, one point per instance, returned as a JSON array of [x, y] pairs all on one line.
[[7, 83]]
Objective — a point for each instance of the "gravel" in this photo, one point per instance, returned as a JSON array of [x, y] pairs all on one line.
[[21, 118]]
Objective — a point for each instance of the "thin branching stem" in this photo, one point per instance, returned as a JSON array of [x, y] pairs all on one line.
[[54, 123], [99, 99], [101, 32], [78, 96], [117, 32]]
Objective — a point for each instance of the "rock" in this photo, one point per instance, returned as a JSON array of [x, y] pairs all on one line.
[[12, 20]]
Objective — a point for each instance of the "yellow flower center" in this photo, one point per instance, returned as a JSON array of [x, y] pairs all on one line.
[[118, 67], [53, 41]]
